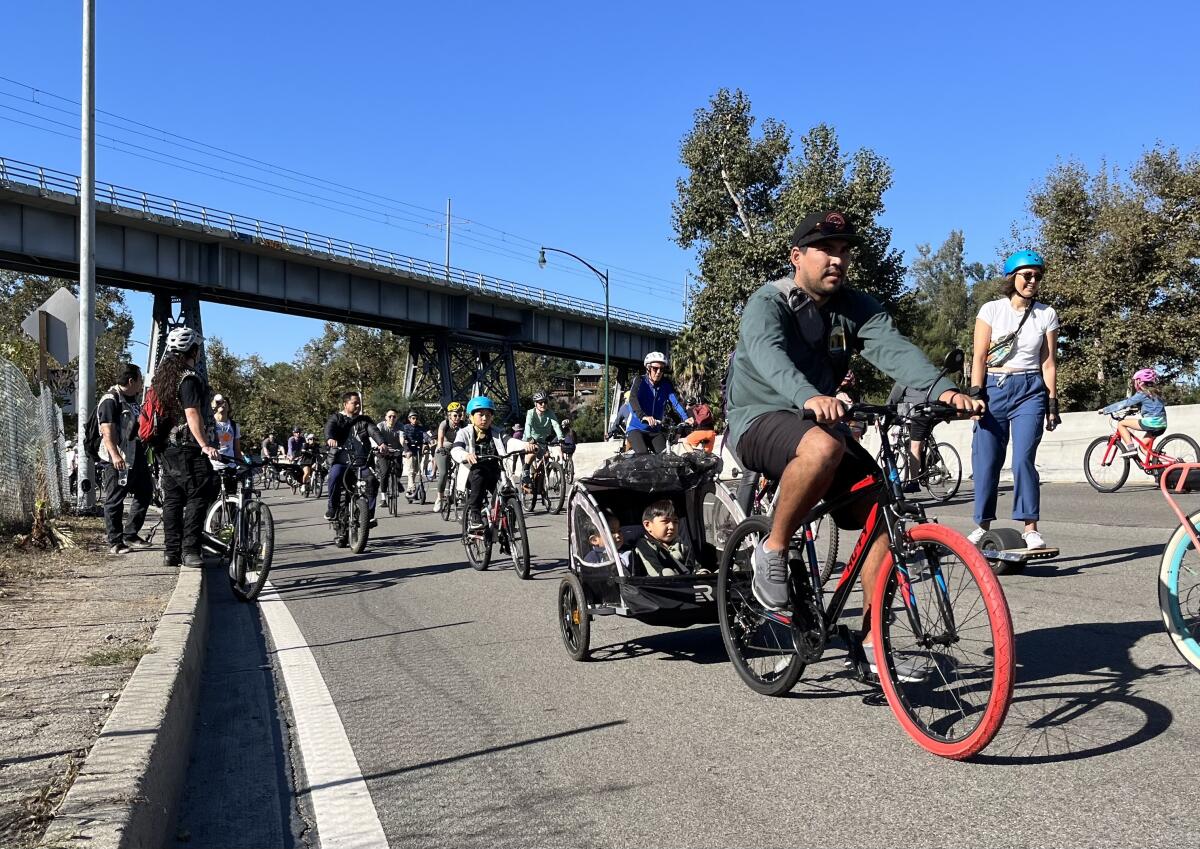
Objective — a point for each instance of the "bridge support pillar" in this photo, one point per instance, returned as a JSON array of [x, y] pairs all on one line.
[[460, 368], [171, 311], [427, 373]]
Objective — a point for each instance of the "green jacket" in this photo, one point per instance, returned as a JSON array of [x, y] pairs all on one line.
[[777, 368]]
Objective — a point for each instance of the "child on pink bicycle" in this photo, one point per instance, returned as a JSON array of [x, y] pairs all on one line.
[[1152, 412]]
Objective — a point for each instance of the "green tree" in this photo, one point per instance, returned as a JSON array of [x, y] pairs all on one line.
[[742, 195], [22, 293], [946, 294], [1123, 270]]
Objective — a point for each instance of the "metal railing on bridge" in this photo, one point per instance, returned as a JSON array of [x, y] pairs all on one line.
[[279, 235]]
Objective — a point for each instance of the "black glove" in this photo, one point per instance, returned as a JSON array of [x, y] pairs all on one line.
[[1053, 419]]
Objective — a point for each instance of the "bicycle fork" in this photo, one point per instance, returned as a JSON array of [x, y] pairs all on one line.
[[905, 553]]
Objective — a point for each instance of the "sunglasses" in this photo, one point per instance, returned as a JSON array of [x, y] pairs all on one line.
[[1031, 276], [654, 368]]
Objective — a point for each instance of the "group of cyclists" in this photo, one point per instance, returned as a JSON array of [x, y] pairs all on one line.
[[787, 393]]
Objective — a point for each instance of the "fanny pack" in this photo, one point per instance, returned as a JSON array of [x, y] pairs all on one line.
[[1001, 350]]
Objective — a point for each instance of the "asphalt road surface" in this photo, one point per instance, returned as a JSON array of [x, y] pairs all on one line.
[[472, 727]]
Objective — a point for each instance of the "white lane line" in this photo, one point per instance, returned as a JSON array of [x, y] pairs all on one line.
[[346, 816]]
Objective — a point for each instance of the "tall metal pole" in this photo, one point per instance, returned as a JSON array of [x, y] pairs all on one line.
[[607, 399], [447, 238], [87, 255]]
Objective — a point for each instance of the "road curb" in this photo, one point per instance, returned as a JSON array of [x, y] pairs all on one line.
[[126, 793]]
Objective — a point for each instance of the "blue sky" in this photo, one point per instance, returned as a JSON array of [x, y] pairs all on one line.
[[560, 124]]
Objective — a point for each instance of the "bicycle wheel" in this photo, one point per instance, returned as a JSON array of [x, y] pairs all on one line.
[[949, 686], [825, 537], [556, 489], [761, 648], [360, 524], [253, 553], [221, 518], [1177, 448], [569, 471], [1104, 477], [518, 537], [448, 497], [574, 621], [478, 544], [942, 475], [1179, 592]]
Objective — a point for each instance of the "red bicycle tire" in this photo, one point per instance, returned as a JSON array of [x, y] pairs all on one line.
[[1002, 641]]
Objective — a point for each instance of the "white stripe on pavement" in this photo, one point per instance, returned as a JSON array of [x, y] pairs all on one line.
[[345, 814]]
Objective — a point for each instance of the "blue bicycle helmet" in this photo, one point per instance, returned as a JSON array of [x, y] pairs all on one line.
[[480, 402], [1023, 259]]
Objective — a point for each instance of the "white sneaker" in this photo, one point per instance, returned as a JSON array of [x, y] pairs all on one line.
[[1033, 540], [975, 536], [437, 506], [910, 670]]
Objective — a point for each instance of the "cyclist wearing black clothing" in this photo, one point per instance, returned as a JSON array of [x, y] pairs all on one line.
[[349, 435], [122, 462], [187, 480], [794, 347]]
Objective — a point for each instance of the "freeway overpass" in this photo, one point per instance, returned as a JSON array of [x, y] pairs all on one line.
[[459, 322]]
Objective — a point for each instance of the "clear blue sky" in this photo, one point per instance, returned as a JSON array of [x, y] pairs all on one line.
[[560, 125]]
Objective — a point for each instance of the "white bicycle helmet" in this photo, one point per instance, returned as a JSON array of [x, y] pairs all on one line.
[[656, 357], [181, 339]]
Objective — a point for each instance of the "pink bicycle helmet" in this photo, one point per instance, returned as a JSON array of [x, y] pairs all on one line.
[[1145, 375]]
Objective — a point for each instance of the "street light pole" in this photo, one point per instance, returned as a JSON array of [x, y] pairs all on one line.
[[87, 255], [603, 275]]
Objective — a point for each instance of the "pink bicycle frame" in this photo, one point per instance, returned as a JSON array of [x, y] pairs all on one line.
[[1184, 470]]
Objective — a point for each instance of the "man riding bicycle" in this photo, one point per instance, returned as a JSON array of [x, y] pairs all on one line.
[[794, 345], [349, 436]]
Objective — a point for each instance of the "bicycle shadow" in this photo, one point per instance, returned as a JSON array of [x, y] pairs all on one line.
[[1077, 695], [1046, 568]]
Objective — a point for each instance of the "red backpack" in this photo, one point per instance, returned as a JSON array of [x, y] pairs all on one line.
[[148, 419]]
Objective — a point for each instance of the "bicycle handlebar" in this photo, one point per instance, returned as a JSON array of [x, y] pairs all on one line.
[[869, 412]]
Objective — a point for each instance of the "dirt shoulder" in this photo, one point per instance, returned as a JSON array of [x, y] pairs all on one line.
[[73, 625]]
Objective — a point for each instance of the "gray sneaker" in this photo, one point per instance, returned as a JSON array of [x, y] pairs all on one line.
[[770, 582], [910, 669]]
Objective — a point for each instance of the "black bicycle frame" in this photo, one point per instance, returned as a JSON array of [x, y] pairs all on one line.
[[887, 514]]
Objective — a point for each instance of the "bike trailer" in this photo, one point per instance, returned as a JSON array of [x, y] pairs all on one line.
[[623, 488]]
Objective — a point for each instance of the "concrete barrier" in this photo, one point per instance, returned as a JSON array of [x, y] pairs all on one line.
[[1059, 458], [126, 793]]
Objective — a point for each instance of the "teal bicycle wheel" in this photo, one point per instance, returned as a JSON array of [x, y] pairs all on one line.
[[1179, 592]]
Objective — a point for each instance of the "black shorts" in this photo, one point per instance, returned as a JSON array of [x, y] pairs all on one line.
[[919, 428], [769, 444]]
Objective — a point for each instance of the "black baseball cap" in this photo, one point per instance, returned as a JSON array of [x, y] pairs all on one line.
[[829, 224]]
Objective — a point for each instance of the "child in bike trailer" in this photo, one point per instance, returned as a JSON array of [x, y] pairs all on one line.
[[1152, 412], [477, 440]]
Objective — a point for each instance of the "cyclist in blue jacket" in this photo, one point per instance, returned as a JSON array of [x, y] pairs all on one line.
[[648, 398]]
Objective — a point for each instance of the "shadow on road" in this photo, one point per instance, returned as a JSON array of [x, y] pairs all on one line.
[[1046, 568], [1078, 695], [696, 644]]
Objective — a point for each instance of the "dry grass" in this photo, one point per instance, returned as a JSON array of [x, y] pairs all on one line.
[[20, 564], [131, 653]]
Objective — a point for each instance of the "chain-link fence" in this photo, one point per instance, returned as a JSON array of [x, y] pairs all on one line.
[[34, 463]]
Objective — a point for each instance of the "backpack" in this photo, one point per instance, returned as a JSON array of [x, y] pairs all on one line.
[[703, 416], [154, 428], [91, 431], [148, 430]]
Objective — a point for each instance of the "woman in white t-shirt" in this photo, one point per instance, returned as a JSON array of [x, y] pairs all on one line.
[[228, 434], [1014, 371]]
